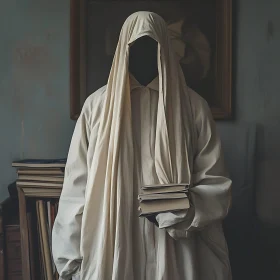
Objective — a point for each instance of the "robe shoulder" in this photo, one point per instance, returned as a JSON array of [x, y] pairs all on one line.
[[200, 107], [93, 106]]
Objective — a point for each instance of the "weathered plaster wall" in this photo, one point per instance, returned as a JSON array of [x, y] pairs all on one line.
[[34, 83]]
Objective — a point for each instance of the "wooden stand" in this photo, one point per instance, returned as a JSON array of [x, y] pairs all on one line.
[[24, 195]]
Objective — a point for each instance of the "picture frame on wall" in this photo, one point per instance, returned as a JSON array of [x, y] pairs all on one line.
[[200, 31]]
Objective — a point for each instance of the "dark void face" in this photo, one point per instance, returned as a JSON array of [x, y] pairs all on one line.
[[143, 60]]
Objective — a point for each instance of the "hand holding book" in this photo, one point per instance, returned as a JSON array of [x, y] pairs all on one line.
[[155, 199]]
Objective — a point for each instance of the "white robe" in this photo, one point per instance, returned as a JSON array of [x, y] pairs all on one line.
[[188, 248]]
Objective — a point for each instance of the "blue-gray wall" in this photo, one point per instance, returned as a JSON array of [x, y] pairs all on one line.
[[34, 81], [257, 89]]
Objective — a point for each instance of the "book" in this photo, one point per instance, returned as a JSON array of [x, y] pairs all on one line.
[[46, 212], [163, 189], [155, 199], [43, 275], [41, 171], [40, 163], [43, 192], [160, 196], [31, 247], [164, 186], [49, 228], [49, 214], [41, 178], [164, 205], [45, 240], [53, 213], [39, 184]]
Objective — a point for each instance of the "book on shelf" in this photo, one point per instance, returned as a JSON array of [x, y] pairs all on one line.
[[40, 163], [40, 174], [44, 223], [155, 199], [40, 171], [39, 184], [50, 178], [31, 245], [40, 245], [42, 192], [41, 180]]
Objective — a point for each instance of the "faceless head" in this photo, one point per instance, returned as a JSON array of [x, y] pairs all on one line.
[[143, 59]]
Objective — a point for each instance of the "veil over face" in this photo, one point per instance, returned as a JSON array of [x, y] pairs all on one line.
[[143, 60]]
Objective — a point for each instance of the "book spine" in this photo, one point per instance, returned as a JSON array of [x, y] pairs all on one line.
[[40, 243], [45, 239], [49, 214], [31, 247], [52, 214]]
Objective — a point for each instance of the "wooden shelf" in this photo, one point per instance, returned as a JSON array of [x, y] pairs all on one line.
[[25, 194]]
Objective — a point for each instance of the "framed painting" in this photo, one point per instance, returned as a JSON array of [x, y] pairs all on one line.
[[200, 30]]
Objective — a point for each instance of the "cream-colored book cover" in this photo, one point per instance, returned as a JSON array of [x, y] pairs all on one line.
[[159, 196], [165, 205]]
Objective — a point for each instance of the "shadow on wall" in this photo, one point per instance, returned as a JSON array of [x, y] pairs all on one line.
[[252, 227]]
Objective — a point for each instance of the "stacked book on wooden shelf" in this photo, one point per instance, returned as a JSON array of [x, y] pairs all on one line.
[[41, 183], [155, 199], [45, 176]]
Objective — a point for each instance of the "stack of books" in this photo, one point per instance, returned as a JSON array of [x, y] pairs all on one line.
[[43, 181], [155, 199], [44, 175]]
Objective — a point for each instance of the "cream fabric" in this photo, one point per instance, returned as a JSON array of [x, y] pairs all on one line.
[[128, 135]]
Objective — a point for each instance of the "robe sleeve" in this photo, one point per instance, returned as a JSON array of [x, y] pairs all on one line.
[[66, 233], [210, 194]]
